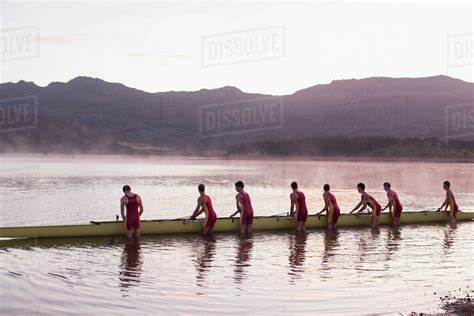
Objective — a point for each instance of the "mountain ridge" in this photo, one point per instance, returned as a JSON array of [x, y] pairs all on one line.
[[88, 113], [84, 78]]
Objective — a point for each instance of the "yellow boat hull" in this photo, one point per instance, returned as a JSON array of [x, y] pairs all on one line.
[[155, 227]]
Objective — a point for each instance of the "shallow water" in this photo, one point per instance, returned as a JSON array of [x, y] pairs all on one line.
[[60, 190], [351, 271]]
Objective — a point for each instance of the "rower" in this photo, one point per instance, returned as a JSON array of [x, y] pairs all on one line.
[[331, 207], [244, 207], [298, 206], [204, 205], [133, 203], [394, 205], [451, 202], [367, 200]]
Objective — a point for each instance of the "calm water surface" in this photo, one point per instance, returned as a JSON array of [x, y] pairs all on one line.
[[351, 271]]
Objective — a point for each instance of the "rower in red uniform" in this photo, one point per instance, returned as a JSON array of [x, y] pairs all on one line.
[[331, 207], [244, 207], [133, 204], [451, 202], [204, 205], [393, 204], [298, 206], [367, 200]]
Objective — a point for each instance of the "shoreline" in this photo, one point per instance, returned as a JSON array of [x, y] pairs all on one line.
[[238, 157]]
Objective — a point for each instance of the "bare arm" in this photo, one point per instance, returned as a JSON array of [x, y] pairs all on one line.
[[363, 203], [122, 208], [448, 198], [140, 206], [293, 205], [325, 208], [389, 203], [445, 203], [238, 204], [198, 210], [363, 208], [357, 207]]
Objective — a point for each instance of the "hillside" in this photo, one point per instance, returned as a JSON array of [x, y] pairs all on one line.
[[92, 115]]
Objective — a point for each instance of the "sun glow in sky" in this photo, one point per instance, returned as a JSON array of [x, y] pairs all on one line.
[[266, 47]]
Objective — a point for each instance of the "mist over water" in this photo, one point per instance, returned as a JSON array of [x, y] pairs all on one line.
[[55, 190]]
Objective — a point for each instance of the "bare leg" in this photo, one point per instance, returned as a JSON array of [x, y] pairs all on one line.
[[249, 229], [205, 230], [333, 226], [243, 228], [452, 220], [303, 227], [128, 233], [374, 221], [137, 233]]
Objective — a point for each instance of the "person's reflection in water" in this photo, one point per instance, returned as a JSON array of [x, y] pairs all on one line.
[[374, 233], [331, 242], [449, 236], [297, 246], [365, 247], [244, 254], [204, 257], [394, 235], [131, 264]]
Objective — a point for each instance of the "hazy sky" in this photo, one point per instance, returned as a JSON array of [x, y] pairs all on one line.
[[288, 46]]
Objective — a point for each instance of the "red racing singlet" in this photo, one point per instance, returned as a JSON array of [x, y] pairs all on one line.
[[453, 206], [211, 216], [396, 205], [133, 218], [333, 208], [132, 206], [247, 204], [374, 205], [301, 210]]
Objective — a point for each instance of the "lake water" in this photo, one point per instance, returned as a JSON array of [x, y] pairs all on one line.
[[351, 271]]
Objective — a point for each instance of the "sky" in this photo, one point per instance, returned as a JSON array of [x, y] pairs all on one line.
[[265, 47]]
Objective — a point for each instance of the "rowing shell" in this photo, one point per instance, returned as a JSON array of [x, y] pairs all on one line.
[[178, 226]]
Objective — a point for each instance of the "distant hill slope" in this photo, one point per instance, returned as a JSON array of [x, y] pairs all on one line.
[[87, 114]]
